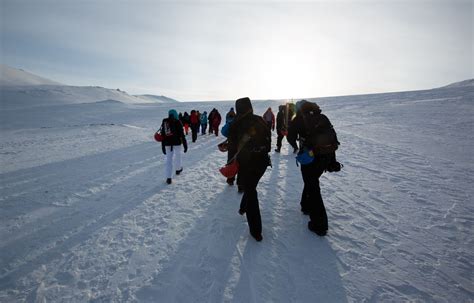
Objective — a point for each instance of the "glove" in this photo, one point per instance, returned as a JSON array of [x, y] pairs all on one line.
[[185, 146], [163, 148]]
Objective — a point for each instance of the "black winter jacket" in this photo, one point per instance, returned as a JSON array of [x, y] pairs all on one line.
[[176, 128]]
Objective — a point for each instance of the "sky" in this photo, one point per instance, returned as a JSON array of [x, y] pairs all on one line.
[[201, 50]]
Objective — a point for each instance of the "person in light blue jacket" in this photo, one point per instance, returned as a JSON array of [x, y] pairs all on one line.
[[203, 121]]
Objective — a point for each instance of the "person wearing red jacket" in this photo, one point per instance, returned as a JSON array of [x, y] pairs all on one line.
[[194, 119], [269, 118], [216, 121]]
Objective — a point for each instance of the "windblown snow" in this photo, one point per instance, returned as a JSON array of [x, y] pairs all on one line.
[[86, 214]]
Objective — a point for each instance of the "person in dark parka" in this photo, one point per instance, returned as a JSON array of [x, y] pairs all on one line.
[[311, 200], [250, 141], [281, 126], [173, 139]]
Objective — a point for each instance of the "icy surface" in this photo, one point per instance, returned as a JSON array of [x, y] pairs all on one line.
[[86, 214]]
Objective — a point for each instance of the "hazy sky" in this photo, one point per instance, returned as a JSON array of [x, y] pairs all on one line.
[[198, 50]]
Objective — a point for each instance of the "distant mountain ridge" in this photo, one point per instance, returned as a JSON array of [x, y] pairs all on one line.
[[17, 77], [159, 99], [21, 89], [465, 83]]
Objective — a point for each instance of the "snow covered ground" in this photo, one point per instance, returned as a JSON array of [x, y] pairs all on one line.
[[86, 214]]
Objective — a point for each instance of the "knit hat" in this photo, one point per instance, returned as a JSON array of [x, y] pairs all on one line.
[[173, 113]]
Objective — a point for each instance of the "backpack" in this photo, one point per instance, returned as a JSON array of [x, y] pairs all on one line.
[[320, 134], [167, 129], [258, 136]]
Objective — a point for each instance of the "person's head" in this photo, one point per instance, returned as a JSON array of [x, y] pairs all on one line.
[[269, 109], [193, 112], [173, 114], [231, 109], [299, 105], [243, 106], [205, 112]]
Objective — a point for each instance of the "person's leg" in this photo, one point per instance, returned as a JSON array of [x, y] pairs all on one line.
[[177, 157], [169, 162], [249, 203], [311, 199], [279, 139]]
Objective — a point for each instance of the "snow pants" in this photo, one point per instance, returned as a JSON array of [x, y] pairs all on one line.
[[203, 128], [173, 154], [311, 200], [249, 176]]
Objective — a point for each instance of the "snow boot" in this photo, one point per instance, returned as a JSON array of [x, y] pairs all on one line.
[[277, 150], [257, 237], [319, 231], [168, 181], [179, 171], [240, 189], [241, 212]]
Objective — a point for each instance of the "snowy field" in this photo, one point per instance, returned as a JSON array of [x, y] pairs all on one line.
[[86, 214]]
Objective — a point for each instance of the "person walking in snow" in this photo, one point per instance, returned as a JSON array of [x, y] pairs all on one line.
[[225, 132], [281, 126], [210, 118], [193, 118], [230, 115], [186, 122], [203, 120], [269, 118], [318, 142], [216, 121], [250, 143], [173, 138]]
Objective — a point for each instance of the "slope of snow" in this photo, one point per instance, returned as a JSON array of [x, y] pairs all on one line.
[[86, 215], [157, 99], [17, 77], [20, 89], [465, 83]]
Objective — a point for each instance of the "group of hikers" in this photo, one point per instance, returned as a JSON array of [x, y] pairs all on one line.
[[248, 144], [198, 121]]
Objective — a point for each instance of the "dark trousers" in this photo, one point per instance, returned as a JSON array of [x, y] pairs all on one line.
[[279, 139], [194, 131], [311, 200], [203, 128], [249, 176]]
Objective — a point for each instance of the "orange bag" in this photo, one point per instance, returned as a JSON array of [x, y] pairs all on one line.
[[230, 170]]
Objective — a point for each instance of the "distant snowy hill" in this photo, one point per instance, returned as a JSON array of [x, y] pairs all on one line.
[[20, 89], [465, 83], [156, 99], [17, 77]]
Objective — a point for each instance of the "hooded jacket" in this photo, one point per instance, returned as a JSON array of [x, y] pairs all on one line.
[[249, 135]]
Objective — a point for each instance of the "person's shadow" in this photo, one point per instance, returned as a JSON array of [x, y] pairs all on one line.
[[218, 261]]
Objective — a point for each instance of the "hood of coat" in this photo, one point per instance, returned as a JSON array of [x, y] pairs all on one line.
[[243, 106]]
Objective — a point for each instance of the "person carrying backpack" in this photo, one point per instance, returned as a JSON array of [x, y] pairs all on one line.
[[317, 145], [250, 142], [216, 121], [173, 138]]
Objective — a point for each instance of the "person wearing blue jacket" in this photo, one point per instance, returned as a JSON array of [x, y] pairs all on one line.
[[203, 120]]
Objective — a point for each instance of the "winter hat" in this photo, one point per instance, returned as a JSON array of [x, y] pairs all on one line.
[[243, 106], [173, 113]]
